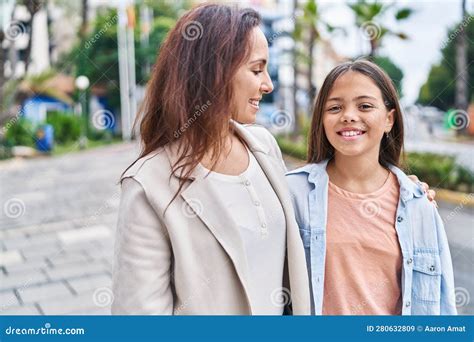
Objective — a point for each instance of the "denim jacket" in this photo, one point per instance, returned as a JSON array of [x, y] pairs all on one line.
[[427, 273]]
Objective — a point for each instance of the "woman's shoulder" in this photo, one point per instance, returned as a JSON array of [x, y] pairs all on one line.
[[147, 165]]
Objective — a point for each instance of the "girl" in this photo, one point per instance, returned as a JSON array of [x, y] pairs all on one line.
[[374, 243], [206, 225]]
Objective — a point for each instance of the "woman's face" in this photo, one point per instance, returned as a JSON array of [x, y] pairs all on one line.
[[251, 80], [355, 117]]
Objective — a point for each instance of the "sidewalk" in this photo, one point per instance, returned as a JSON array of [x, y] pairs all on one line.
[[57, 232]]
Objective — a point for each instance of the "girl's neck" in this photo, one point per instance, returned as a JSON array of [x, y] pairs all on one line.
[[357, 174]]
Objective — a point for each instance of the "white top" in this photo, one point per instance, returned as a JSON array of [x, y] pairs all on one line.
[[258, 214]]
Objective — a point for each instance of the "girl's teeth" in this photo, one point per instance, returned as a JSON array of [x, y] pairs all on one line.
[[351, 133]]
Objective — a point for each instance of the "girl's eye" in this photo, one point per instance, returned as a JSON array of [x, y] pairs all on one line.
[[366, 106], [334, 109], [256, 72]]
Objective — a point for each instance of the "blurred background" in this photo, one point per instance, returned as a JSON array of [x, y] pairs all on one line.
[[73, 73]]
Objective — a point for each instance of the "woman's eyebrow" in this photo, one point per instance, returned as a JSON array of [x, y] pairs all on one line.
[[261, 60]]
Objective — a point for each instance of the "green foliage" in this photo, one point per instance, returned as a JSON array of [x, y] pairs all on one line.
[[440, 88], [372, 13], [395, 73], [67, 127], [440, 171], [97, 56], [19, 132], [292, 149]]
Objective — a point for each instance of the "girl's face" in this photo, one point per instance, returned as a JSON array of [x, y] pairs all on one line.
[[251, 80], [355, 117]]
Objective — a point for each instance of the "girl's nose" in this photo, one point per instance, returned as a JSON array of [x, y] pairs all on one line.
[[349, 116]]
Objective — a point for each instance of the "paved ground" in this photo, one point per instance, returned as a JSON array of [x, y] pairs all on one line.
[[57, 233]]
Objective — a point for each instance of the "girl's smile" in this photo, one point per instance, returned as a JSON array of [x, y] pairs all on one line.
[[351, 133]]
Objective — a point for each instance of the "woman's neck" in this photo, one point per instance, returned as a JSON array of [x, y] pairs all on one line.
[[357, 174], [233, 159]]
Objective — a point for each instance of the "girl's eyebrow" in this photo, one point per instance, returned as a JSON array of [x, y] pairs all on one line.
[[354, 99], [364, 97]]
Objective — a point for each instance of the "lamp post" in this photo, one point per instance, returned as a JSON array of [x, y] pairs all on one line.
[[82, 83]]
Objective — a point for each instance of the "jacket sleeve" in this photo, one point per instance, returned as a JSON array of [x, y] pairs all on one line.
[[448, 297], [141, 273]]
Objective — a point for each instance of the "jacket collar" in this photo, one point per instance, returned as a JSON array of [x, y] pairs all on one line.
[[408, 188], [254, 145]]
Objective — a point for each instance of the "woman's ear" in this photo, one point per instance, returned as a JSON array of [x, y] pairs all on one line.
[[390, 120]]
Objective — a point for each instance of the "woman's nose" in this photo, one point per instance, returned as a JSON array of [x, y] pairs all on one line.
[[267, 86]]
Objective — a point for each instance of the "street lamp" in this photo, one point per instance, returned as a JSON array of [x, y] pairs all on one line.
[[82, 83]]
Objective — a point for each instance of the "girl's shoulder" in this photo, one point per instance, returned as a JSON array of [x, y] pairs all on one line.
[[304, 179], [309, 171]]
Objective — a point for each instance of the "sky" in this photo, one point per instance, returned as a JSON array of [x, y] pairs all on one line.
[[427, 29]]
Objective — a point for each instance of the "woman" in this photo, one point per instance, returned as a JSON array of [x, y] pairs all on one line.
[[206, 224]]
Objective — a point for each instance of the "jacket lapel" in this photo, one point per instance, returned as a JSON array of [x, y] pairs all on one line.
[[211, 211], [296, 264], [217, 219]]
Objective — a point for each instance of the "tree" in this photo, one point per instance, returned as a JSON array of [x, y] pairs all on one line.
[[33, 7], [370, 18], [440, 88], [395, 73], [2, 68], [307, 33], [461, 100], [97, 54]]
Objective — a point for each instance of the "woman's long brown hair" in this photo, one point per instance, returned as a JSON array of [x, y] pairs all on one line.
[[391, 147], [189, 95]]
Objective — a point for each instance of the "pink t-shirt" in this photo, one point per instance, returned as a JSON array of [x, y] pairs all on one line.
[[363, 256]]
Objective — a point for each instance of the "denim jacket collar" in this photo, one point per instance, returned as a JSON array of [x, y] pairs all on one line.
[[408, 188]]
